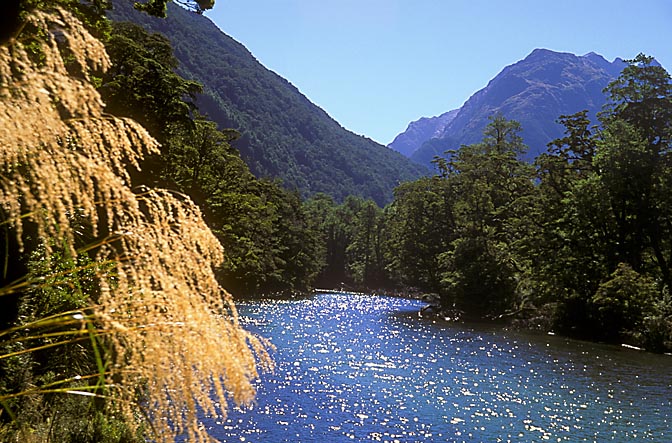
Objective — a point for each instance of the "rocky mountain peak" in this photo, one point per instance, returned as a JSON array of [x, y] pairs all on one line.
[[534, 91], [420, 130]]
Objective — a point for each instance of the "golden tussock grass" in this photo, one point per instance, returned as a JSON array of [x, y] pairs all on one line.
[[169, 330]]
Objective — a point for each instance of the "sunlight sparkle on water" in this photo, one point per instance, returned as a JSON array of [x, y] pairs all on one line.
[[364, 368]]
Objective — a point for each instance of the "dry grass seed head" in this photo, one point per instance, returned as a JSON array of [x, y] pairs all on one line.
[[172, 329]]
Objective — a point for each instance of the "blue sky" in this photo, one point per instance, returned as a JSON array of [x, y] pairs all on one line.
[[376, 65]]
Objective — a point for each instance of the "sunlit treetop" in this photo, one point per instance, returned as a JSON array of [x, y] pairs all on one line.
[[158, 7]]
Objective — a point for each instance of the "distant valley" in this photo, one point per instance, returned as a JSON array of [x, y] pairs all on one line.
[[285, 136]]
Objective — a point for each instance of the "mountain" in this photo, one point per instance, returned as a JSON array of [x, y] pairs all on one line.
[[420, 131], [283, 134], [535, 92]]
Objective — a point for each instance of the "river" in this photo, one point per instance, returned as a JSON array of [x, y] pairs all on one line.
[[367, 368]]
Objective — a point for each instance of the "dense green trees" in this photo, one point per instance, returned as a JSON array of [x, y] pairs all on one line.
[[142, 83], [451, 234], [422, 225], [493, 186], [561, 243], [268, 243], [580, 242], [634, 162], [603, 212], [353, 242]]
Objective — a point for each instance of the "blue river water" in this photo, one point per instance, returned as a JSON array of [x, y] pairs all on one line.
[[369, 369]]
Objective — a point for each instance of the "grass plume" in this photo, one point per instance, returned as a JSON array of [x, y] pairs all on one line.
[[165, 334]]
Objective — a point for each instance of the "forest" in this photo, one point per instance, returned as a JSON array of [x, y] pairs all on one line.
[[129, 219], [578, 243]]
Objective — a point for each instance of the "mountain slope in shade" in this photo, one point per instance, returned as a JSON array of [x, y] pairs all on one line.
[[420, 131], [535, 92], [284, 135]]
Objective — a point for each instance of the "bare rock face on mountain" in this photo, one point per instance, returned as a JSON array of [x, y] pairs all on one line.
[[535, 92], [420, 131]]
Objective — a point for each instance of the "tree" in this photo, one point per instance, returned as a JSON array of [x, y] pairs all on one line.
[[142, 84], [604, 211], [568, 246], [568, 158], [318, 209], [642, 96], [354, 242], [422, 224], [294, 244], [572, 246], [635, 160], [367, 249], [158, 7], [479, 269], [621, 303], [198, 156]]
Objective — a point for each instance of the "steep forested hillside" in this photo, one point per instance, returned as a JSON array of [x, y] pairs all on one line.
[[283, 134], [108, 282]]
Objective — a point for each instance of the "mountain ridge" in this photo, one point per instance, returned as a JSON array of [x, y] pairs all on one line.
[[535, 91], [283, 134], [421, 130]]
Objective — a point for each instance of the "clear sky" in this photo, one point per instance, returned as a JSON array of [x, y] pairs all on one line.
[[376, 65]]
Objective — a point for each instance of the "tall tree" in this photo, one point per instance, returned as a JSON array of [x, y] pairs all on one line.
[[421, 222], [354, 238], [635, 158], [604, 212], [494, 186], [569, 244], [642, 96], [294, 242], [366, 251]]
